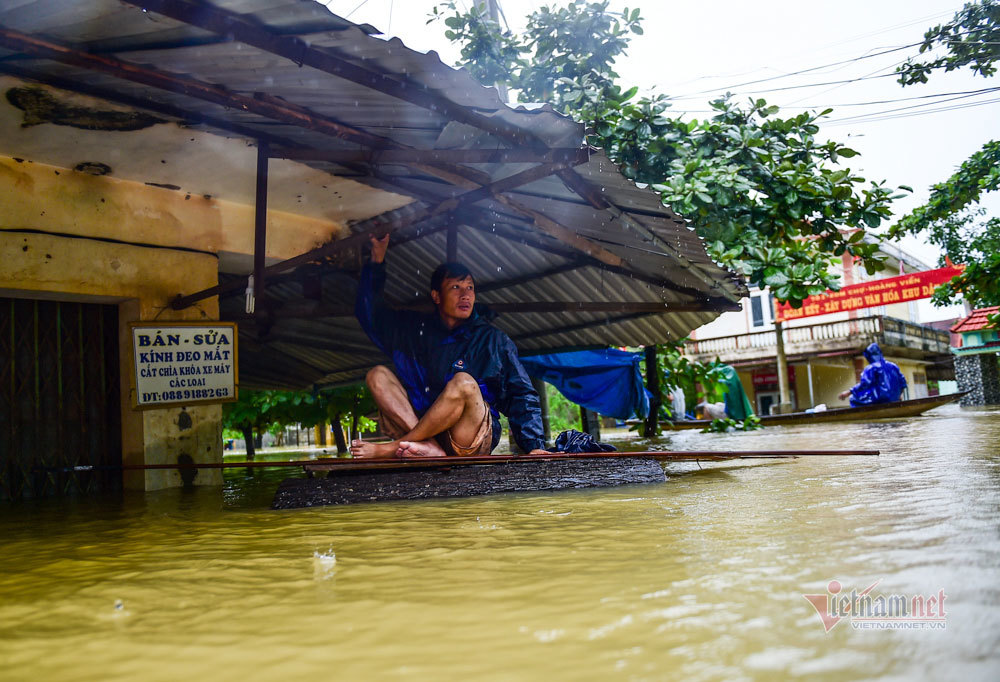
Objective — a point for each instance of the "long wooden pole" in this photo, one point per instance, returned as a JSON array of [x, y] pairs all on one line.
[[260, 222], [397, 462]]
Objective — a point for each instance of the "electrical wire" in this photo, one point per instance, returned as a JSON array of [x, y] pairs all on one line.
[[797, 73], [903, 99], [852, 39], [912, 106], [877, 116], [359, 6], [840, 105], [694, 95]]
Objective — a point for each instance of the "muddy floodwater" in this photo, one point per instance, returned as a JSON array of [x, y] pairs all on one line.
[[702, 577]]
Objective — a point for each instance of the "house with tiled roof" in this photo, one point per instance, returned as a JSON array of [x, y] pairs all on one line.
[[976, 367]]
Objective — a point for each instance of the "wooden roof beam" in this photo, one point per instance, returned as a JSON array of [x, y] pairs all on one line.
[[494, 189], [511, 234], [562, 233], [473, 216], [568, 329], [519, 307], [567, 155], [190, 118], [377, 227], [590, 194], [262, 105]]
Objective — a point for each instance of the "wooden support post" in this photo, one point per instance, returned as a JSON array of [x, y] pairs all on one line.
[[590, 422], [652, 427], [260, 220], [784, 405], [812, 395], [543, 402]]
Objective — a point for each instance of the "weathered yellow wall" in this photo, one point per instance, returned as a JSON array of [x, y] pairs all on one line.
[[140, 279], [828, 381], [40, 197], [911, 370]]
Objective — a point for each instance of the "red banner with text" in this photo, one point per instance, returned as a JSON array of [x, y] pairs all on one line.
[[869, 294]]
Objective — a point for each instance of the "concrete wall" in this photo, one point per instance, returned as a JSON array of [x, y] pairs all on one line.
[[50, 199], [62, 240], [141, 281], [828, 380], [916, 376]]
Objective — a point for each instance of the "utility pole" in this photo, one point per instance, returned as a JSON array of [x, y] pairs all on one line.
[[785, 400], [543, 403], [493, 8]]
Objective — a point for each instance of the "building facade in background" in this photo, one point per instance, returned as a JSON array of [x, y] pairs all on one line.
[[825, 352]]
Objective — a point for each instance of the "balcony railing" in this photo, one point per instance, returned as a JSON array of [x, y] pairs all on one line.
[[886, 330]]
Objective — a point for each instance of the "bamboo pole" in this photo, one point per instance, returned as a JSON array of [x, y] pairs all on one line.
[[331, 463]]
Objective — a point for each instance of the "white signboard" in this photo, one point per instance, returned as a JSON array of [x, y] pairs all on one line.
[[181, 363]]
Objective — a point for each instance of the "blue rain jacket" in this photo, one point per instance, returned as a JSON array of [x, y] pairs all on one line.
[[881, 382], [426, 355]]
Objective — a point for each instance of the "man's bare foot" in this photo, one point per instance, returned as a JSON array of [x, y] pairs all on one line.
[[423, 448], [362, 449]]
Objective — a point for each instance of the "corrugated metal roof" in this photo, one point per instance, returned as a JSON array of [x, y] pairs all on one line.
[[663, 260]]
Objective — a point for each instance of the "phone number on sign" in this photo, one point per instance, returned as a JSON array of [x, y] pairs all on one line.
[[195, 394]]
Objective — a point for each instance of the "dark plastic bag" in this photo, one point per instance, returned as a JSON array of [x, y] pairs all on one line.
[[578, 441]]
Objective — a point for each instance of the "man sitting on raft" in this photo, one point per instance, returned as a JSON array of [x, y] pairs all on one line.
[[454, 371], [881, 382]]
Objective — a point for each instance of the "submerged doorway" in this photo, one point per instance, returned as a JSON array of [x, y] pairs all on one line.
[[59, 399]]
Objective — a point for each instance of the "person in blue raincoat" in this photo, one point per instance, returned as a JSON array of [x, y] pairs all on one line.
[[455, 372], [881, 382]]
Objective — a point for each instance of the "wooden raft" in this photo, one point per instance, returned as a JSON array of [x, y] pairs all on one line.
[[351, 486]]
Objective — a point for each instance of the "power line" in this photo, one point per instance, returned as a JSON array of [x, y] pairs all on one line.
[[880, 116], [837, 87], [819, 49], [912, 106], [843, 62], [797, 73], [907, 24], [838, 105], [904, 99], [359, 6]]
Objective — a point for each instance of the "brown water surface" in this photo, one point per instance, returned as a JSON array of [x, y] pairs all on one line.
[[698, 578]]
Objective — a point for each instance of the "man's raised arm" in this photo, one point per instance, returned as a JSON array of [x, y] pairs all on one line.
[[375, 316]]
